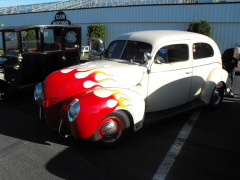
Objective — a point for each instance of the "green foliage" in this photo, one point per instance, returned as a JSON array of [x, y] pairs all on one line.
[[30, 39], [30, 34], [201, 27], [96, 30]]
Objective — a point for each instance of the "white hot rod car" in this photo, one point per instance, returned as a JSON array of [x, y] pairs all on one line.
[[141, 77]]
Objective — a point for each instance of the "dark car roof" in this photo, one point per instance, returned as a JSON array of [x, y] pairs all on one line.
[[20, 28]]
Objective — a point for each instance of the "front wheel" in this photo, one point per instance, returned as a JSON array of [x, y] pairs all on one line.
[[217, 96], [112, 130]]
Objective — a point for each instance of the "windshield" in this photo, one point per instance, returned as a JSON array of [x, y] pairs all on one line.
[[128, 50]]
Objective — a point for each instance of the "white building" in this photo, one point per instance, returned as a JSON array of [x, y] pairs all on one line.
[[224, 18]]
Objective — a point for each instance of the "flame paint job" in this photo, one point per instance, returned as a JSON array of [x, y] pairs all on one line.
[[94, 85], [69, 81], [97, 104]]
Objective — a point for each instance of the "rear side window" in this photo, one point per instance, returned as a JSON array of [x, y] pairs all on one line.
[[202, 50], [52, 39], [71, 39], [173, 53]]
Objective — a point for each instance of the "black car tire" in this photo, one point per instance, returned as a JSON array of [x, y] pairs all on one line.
[[112, 130]]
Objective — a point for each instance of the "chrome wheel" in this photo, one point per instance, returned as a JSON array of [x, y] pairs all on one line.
[[217, 96], [112, 130]]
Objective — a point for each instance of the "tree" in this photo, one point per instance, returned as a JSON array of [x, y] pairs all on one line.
[[96, 30], [201, 27]]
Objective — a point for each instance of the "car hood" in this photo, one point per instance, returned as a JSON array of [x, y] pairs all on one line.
[[103, 73]]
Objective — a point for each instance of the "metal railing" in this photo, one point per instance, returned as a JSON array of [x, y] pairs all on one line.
[[81, 4]]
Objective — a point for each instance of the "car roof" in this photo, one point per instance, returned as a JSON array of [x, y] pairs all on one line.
[[154, 37], [20, 28]]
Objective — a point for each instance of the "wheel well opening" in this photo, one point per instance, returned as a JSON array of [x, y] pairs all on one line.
[[130, 119]]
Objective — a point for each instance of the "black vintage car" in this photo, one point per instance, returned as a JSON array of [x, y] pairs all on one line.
[[30, 53]]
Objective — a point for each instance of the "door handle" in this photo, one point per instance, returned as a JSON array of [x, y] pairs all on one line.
[[189, 72]]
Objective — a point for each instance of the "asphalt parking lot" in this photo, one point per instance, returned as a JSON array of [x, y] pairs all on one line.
[[199, 145]]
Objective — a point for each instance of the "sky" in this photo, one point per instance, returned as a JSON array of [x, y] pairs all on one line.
[[25, 2]]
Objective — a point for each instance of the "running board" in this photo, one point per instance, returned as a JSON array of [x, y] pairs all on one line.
[[153, 117]]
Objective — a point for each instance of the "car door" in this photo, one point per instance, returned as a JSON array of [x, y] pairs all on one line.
[[52, 48], [169, 77], [31, 69]]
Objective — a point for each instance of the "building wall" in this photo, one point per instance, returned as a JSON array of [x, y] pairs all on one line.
[[223, 18]]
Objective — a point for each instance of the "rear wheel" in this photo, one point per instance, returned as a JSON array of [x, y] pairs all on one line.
[[217, 96], [112, 130]]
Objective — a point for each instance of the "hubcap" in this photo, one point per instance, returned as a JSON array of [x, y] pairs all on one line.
[[110, 129]]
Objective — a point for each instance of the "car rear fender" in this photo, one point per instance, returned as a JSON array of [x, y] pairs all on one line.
[[216, 76]]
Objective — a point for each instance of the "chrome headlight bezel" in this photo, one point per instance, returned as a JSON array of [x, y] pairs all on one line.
[[38, 91], [73, 110]]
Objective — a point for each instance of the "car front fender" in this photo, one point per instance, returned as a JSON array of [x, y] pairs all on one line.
[[97, 104], [216, 76]]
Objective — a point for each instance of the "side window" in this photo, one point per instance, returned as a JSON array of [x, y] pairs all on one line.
[[173, 53], [162, 55], [52, 39], [11, 41], [30, 41], [202, 50]]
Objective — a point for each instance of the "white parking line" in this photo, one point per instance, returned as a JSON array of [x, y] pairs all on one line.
[[169, 159]]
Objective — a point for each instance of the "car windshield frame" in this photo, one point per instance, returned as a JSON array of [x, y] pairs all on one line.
[[128, 50]]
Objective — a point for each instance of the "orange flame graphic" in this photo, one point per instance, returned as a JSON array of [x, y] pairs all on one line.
[[121, 99], [101, 72]]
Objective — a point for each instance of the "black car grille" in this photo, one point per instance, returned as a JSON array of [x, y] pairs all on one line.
[[52, 112]]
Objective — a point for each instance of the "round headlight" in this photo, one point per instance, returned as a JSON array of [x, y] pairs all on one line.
[[38, 91], [73, 110]]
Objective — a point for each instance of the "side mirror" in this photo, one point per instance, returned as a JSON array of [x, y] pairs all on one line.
[[96, 48], [147, 56], [101, 49]]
